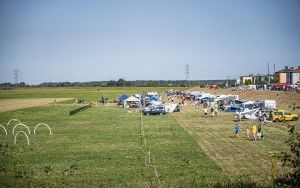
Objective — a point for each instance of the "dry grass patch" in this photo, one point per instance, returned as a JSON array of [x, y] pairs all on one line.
[[15, 104]]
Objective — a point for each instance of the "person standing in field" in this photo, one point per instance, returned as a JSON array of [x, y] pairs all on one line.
[[183, 101], [102, 101], [212, 112], [205, 111], [254, 131], [259, 132], [216, 112], [236, 130], [180, 106], [264, 119]]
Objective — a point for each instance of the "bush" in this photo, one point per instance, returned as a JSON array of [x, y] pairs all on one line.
[[291, 160]]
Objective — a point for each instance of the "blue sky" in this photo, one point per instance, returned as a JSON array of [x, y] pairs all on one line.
[[86, 40]]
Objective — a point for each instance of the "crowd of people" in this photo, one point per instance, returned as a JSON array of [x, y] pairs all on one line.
[[213, 112], [255, 133], [210, 109]]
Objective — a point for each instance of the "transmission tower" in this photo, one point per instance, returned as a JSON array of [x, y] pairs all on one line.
[[187, 74], [16, 76]]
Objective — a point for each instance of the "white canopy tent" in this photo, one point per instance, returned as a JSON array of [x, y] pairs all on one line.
[[271, 104], [170, 107], [131, 102]]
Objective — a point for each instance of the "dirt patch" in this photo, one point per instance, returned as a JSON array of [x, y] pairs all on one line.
[[15, 104]]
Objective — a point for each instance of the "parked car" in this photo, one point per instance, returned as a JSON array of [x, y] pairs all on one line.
[[232, 109], [154, 110], [283, 115]]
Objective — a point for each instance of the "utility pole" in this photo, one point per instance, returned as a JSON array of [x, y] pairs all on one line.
[[16, 76], [268, 66], [187, 74], [227, 83]]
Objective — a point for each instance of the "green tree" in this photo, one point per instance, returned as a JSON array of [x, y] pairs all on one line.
[[291, 158], [121, 82], [248, 82]]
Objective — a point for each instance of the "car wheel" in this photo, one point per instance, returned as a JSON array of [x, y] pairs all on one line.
[[161, 113], [294, 119], [276, 120]]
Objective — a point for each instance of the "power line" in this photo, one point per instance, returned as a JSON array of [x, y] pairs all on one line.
[[16, 76]]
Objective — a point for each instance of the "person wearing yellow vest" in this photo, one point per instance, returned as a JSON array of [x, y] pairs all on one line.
[[254, 131]]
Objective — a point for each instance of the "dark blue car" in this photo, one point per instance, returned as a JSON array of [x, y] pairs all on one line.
[[154, 110], [233, 109]]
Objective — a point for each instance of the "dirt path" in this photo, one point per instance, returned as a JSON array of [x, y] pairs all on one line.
[[15, 104]]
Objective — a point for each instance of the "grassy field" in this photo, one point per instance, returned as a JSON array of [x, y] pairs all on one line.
[[235, 155], [105, 148], [239, 156], [102, 146], [88, 93]]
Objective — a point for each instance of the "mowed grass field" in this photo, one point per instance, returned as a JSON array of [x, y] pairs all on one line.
[[236, 156], [240, 156], [102, 146]]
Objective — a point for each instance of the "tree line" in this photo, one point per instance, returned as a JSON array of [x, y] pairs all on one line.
[[124, 83]]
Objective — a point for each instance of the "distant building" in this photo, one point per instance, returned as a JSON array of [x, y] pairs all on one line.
[[250, 79], [253, 79], [289, 75], [262, 78]]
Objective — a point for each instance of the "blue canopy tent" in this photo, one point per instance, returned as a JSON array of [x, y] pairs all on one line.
[[152, 98], [123, 97]]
